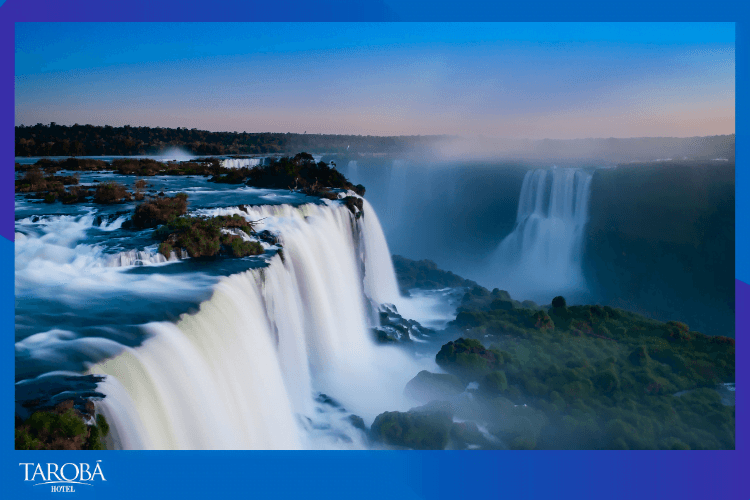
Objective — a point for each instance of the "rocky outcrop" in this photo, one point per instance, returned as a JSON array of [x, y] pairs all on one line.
[[426, 386], [469, 359], [416, 429], [395, 328]]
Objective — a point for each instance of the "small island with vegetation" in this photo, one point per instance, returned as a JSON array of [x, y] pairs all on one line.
[[564, 377]]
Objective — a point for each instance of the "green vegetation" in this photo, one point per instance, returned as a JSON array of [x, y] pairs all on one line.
[[62, 428], [89, 140], [468, 359], [111, 192], [52, 187], [425, 274], [495, 382], [300, 173], [147, 167], [417, 430], [426, 386], [575, 376], [161, 210], [203, 237], [602, 377]]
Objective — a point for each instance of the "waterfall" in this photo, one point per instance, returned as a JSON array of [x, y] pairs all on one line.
[[241, 162], [352, 172], [242, 372], [542, 256]]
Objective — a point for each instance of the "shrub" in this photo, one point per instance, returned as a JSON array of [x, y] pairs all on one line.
[[240, 248], [159, 211], [495, 382], [202, 237], [606, 381], [468, 358], [639, 356], [300, 173], [558, 302], [111, 192]]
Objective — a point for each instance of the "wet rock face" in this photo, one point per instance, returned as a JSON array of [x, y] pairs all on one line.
[[269, 237], [426, 386], [394, 328], [355, 205]]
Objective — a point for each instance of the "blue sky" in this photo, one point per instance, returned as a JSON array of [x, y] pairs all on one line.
[[529, 80]]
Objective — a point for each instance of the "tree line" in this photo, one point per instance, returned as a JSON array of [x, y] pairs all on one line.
[[90, 140]]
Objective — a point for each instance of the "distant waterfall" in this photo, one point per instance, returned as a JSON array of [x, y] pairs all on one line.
[[542, 256], [241, 162], [242, 372], [352, 172]]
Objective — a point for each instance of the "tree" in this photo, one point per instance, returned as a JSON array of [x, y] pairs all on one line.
[[559, 302]]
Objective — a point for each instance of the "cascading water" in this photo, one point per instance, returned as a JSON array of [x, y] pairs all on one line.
[[241, 162], [396, 198], [542, 256], [242, 372]]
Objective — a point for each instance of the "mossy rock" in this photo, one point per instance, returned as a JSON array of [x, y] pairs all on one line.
[[468, 359], [416, 430], [426, 386]]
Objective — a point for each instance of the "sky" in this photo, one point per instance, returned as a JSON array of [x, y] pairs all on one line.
[[510, 80]]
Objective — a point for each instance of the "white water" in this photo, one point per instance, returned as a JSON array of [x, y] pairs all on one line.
[[55, 262], [241, 162], [542, 256], [243, 371]]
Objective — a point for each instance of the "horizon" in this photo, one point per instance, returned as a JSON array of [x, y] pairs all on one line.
[[526, 81], [457, 136]]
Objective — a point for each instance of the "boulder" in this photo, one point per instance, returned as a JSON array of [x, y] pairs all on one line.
[[419, 430], [426, 386], [469, 359]]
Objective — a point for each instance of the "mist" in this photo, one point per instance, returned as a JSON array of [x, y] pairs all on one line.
[[456, 202], [599, 150]]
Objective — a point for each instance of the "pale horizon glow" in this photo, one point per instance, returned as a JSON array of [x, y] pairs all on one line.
[[516, 81]]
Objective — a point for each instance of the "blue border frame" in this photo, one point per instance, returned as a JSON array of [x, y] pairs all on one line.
[[371, 474]]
